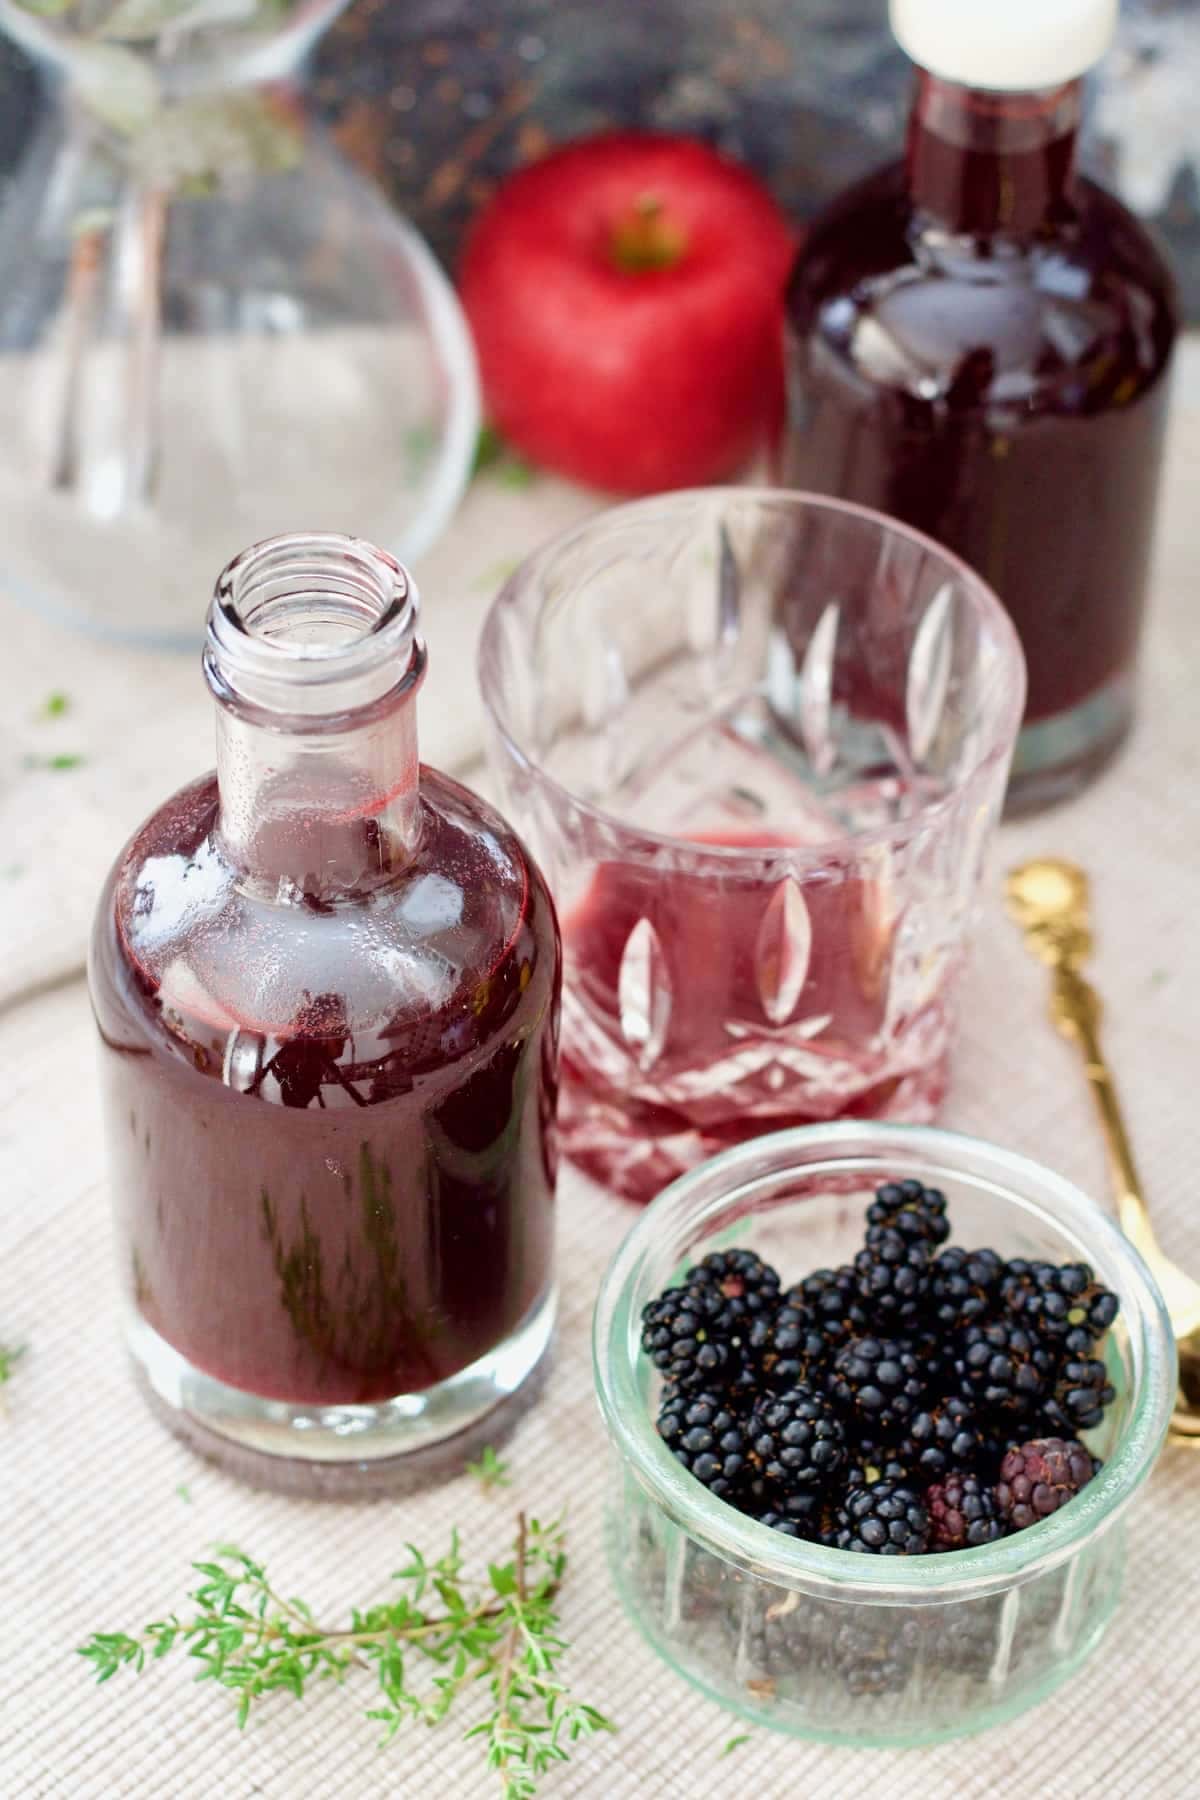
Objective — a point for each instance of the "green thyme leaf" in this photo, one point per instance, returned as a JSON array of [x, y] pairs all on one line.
[[515, 472], [490, 1471], [65, 759], [489, 448], [493, 456]]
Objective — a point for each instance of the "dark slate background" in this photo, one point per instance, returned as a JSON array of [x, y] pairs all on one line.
[[438, 98]]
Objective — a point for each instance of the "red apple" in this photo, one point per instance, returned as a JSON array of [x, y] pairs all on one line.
[[625, 295]]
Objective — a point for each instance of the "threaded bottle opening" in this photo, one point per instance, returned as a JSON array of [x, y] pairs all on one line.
[[312, 623]]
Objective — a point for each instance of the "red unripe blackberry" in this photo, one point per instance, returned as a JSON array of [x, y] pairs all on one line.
[[1039, 1477]]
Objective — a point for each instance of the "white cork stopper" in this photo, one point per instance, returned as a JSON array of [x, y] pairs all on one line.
[[1011, 46]]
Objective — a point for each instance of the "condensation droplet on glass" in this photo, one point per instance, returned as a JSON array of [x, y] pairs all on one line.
[[644, 996], [782, 951]]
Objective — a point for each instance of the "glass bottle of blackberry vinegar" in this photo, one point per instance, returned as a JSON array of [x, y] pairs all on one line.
[[978, 342], [326, 981]]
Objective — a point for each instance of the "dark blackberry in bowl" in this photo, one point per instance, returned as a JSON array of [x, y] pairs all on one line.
[[792, 1349], [832, 1299], [1082, 1394], [869, 1460], [946, 1435], [1061, 1302], [810, 1514], [1006, 1369], [892, 1276], [748, 1287], [707, 1435], [796, 1441], [964, 1286], [876, 1384], [681, 1337], [885, 1518], [912, 1209]]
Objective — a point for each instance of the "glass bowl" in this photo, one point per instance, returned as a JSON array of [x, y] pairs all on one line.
[[824, 1643]]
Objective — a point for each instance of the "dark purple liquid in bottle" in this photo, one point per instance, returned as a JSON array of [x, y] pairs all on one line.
[[978, 343], [326, 982], [350, 1196]]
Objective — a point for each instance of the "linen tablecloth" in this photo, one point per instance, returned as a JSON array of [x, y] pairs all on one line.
[[102, 1511]]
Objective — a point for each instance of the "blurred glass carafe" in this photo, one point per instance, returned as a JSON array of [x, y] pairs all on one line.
[[211, 326]]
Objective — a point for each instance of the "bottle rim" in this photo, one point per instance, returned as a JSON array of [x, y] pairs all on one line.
[[319, 624]]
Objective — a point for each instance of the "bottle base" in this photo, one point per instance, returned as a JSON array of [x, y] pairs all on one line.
[[1057, 757], [341, 1452]]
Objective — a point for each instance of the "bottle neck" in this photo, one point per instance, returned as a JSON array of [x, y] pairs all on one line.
[[317, 818], [992, 163], [314, 662]]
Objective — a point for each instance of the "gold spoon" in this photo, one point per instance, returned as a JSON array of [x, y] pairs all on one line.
[[1049, 901]]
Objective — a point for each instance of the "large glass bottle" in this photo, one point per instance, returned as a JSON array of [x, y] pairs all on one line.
[[326, 982], [978, 342]]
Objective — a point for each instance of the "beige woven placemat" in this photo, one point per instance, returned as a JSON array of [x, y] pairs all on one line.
[[96, 1535]]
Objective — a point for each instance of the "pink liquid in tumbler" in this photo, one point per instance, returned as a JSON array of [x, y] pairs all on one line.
[[706, 1006]]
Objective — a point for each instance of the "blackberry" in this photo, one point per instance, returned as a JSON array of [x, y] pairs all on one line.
[[682, 1339], [1038, 1477], [892, 1275], [936, 1357], [877, 1383], [871, 1461], [966, 1637], [792, 1349], [748, 1287], [707, 1436], [963, 1512], [885, 1518], [796, 1441], [831, 1297], [875, 1656], [809, 1515], [914, 1210], [1081, 1393], [964, 1286], [1005, 1368], [1063, 1303], [780, 1522], [943, 1437]]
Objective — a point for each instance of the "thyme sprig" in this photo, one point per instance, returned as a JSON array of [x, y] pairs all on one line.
[[444, 1637]]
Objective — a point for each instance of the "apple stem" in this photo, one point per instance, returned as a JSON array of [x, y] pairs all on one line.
[[646, 240]]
